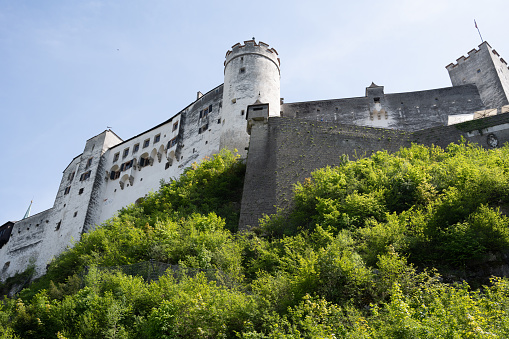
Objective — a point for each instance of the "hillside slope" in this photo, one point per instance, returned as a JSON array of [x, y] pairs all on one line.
[[356, 256]]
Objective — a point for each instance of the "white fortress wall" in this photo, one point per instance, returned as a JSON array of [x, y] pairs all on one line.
[[39, 238], [137, 166]]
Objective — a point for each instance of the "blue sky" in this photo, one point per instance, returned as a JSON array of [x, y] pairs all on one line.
[[69, 69]]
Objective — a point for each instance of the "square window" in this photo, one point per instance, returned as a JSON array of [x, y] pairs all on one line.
[[126, 153], [127, 165], [136, 148], [114, 175], [157, 138], [242, 70], [115, 157], [144, 162], [172, 143], [203, 128], [81, 191], [146, 143], [85, 176], [175, 126]]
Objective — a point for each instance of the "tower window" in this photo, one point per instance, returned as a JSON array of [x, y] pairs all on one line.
[[75, 214], [81, 191], [85, 176], [478, 71], [242, 112], [242, 70], [376, 100]]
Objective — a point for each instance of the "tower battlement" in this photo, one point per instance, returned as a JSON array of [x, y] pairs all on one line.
[[251, 47], [487, 70], [472, 53]]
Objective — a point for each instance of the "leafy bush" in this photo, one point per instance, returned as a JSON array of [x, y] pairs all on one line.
[[350, 259]]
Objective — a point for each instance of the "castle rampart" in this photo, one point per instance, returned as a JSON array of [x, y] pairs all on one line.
[[405, 111], [286, 143], [284, 151]]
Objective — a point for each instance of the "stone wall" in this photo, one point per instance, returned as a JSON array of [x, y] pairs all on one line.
[[284, 151], [405, 111]]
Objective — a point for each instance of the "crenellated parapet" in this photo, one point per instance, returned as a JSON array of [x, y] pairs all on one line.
[[473, 53], [251, 47]]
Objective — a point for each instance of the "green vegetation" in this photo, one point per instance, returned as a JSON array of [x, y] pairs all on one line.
[[359, 255]]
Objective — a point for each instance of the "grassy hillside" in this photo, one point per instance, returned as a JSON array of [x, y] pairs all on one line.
[[359, 255]]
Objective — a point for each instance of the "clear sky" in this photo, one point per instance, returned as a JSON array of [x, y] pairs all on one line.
[[69, 69]]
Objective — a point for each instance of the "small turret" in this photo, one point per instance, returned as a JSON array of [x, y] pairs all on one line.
[[251, 75]]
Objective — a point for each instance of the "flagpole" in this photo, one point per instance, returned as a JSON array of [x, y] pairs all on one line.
[[27, 214], [475, 23]]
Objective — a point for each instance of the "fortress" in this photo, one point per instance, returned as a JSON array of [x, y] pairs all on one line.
[[281, 142]]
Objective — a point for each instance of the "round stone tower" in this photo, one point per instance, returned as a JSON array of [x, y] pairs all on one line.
[[251, 76]]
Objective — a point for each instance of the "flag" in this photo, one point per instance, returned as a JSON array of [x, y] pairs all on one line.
[[475, 23], [27, 214]]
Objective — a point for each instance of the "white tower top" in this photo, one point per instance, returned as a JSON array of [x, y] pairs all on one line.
[[251, 75]]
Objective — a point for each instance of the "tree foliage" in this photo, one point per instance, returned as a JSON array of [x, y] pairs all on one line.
[[358, 255]]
